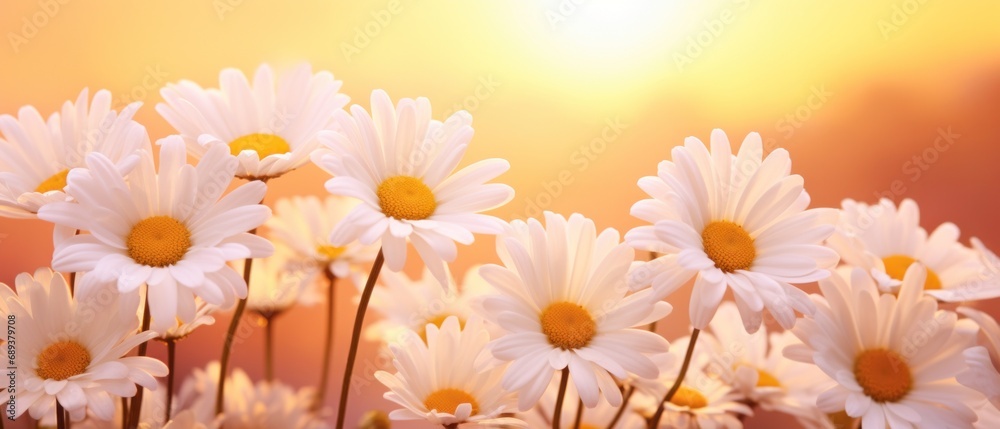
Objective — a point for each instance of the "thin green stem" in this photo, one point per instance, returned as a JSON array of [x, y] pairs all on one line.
[[621, 409], [331, 302], [227, 345], [359, 320], [560, 397], [171, 364], [136, 407], [655, 421]]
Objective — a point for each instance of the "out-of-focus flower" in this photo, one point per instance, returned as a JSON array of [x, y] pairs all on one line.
[[438, 381], [401, 165], [247, 405], [410, 304], [598, 417], [885, 240], [732, 221], [702, 400], [278, 286], [270, 126], [982, 373], [36, 157]]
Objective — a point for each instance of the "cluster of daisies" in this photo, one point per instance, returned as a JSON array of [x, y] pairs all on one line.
[[561, 333]]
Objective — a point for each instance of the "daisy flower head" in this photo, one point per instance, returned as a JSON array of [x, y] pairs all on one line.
[[738, 221], [401, 164], [202, 317], [894, 359], [154, 403], [703, 400], [438, 381], [302, 224], [885, 240], [36, 156], [278, 286], [247, 405], [71, 350], [562, 304], [754, 365], [167, 229], [411, 304], [270, 125], [982, 373]]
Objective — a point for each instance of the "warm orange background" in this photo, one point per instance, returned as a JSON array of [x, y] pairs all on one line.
[[893, 73]]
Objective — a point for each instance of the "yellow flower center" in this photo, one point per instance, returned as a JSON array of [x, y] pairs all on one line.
[[330, 252], [55, 183], [883, 374], [405, 197], [437, 321], [728, 245], [567, 325], [688, 397], [841, 419], [158, 241], [264, 144], [448, 400], [374, 419], [765, 379], [62, 360], [896, 265]]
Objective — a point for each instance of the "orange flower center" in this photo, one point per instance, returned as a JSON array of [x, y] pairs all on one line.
[[883, 374], [264, 144], [728, 245], [330, 252], [688, 397], [405, 197], [55, 183], [896, 265], [437, 321], [158, 241], [62, 360], [567, 325], [448, 400]]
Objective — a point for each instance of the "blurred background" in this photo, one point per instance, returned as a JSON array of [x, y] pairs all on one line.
[[894, 98]]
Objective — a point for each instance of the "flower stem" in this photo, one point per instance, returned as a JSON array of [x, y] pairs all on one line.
[[579, 414], [356, 337], [227, 346], [136, 407], [269, 349], [124, 412], [60, 416], [655, 422], [324, 381], [557, 413], [621, 409], [171, 364]]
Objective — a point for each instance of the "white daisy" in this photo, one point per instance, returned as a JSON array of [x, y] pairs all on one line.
[[36, 156], [401, 165], [71, 350], [982, 373], [167, 229], [701, 401], [755, 366], [439, 382], [247, 405], [562, 304], [151, 415], [202, 317], [410, 304], [598, 417], [886, 240], [270, 126], [738, 221], [277, 286], [303, 225], [894, 358]]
